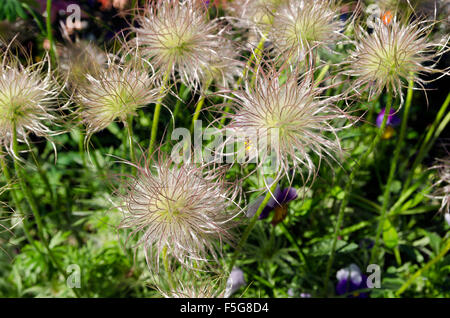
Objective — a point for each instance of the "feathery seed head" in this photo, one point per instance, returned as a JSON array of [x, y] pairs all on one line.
[[178, 37], [290, 120], [183, 210], [28, 100], [192, 286], [115, 93], [256, 14], [81, 58], [442, 186], [301, 25], [392, 55], [223, 69]]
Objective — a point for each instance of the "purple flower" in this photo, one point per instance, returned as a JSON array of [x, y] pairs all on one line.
[[392, 119], [366, 243], [350, 281], [278, 203], [447, 218], [235, 281]]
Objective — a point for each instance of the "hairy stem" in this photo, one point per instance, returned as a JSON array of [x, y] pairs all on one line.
[[425, 146], [130, 138], [251, 225], [48, 21], [244, 75], [199, 106], [26, 227], [167, 268], [387, 190], [158, 105], [34, 208], [348, 189]]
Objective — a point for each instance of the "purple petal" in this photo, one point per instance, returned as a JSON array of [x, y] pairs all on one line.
[[235, 281], [279, 197], [392, 120], [287, 195], [265, 212], [253, 208]]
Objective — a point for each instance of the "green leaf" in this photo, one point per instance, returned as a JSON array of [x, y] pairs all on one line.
[[390, 235]]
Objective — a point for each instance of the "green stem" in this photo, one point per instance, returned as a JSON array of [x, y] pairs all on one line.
[[348, 189], [26, 228], [49, 30], [387, 190], [423, 269], [258, 57], [81, 148], [44, 178], [322, 74], [34, 208], [167, 268], [199, 106], [425, 146], [251, 225], [130, 138], [158, 105], [294, 243], [239, 81], [184, 92]]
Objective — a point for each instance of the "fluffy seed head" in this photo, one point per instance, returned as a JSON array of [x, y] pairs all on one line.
[[442, 186], [256, 14], [195, 286], [183, 210], [223, 69], [301, 25], [28, 100], [288, 120], [390, 56], [178, 37], [115, 93], [78, 59]]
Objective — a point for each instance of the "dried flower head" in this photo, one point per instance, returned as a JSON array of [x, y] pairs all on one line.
[[115, 94], [286, 122], [255, 14], [183, 211], [192, 284], [81, 58], [28, 100], [178, 37], [224, 69], [442, 186], [301, 25], [392, 55]]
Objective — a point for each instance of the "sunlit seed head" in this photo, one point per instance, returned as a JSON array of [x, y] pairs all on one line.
[[183, 210], [178, 37], [392, 55], [28, 100], [115, 93], [303, 122], [301, 25]]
